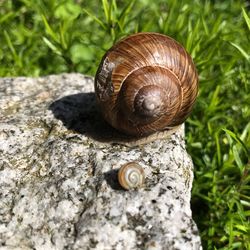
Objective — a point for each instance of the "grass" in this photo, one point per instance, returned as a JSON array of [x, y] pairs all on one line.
[[48, 37]]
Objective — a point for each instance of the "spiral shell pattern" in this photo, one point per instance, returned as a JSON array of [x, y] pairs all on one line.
[[146, 82], [131, 176]]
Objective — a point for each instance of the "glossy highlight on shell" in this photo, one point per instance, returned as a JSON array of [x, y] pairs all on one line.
[[131, 176], [146, 82]]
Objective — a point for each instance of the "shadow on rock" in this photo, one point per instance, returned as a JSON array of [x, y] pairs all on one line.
[[80, 113], [111, 178]]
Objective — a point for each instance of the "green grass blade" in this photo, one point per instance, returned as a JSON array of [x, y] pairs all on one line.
[[10, 45], [106, 8], [241, 50], [6, 17], [95, 18], [63, 39], [17, 59], [237, 139], [49, 30], [124, 14], [52, 46], [218, 148], [246, 17]]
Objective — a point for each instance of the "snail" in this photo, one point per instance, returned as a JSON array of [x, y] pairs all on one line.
[[145, 83], [131, 176]]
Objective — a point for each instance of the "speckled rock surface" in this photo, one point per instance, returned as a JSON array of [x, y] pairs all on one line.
[[58, 175]]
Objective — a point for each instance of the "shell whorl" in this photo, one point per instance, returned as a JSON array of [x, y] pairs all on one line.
[[145, 83], [131, 176]]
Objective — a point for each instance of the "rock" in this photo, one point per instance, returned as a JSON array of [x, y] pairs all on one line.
[[58, 175]]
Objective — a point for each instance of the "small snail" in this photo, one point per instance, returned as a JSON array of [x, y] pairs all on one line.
[[131, 176], [145, 83]]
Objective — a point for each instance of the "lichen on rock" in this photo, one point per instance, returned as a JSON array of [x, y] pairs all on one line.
[[58, 175]]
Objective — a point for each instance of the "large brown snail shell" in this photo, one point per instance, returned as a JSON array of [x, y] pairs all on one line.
[[146, 82]]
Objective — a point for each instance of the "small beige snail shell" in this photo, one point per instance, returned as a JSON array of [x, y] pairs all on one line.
[[131, 176], [145, 83]]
